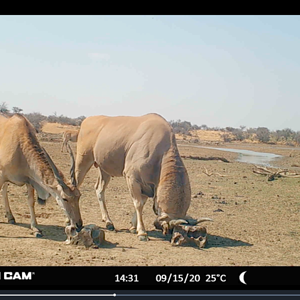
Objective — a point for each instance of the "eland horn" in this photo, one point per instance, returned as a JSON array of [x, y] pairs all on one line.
[[176, 222], [72, 170], [203, 220], [54, 169], [194, 222]]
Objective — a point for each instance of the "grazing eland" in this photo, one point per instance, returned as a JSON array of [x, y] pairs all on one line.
[[24, 161], [69, 135], [143, 150]]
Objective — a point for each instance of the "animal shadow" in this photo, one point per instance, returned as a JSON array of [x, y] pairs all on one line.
[[108, 245], [220, 241], [212, 240], [54, 233], [50, 232], [157, 234]]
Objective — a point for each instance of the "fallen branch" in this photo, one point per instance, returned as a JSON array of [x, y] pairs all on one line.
[[205, 158], [210, 174], [277, 173], [295, 165]]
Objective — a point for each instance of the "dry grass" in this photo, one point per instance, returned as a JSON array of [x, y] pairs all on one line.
[[203, 136], [57, 128]]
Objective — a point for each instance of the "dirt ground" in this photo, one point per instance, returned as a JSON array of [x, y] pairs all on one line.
[[256, 222]]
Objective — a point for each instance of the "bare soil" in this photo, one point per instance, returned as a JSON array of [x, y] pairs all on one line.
[[256, 222]]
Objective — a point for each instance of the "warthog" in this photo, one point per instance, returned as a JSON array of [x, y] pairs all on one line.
[[188, 232], [89, 235]]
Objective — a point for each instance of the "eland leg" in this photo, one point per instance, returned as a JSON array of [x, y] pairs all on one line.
[[138, 201], [8, 213], [133, 223], [67, 221], [31, 202], [100, 186], [64, 145], [155, 206]]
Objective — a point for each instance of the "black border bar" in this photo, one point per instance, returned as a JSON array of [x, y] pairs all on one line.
[[145, 278]]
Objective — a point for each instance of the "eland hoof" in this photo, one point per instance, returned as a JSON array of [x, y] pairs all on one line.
[[12, 221], [110, 227], [67, 241], [132, 230], [38, 234], [143, 238]]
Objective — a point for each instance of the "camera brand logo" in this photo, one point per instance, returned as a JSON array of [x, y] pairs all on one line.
[[16, 275]]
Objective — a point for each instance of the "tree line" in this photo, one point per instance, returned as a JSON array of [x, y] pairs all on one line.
[[37, 119], [229, 134], [262, 134]]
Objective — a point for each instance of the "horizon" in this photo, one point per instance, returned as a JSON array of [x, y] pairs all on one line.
[[209, 128], [220, 71]]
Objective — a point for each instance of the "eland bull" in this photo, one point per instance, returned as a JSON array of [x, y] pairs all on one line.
[[24, 161], [143, 150], [69, 135]]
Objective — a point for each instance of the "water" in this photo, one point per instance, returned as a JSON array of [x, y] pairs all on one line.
[[250, 157]]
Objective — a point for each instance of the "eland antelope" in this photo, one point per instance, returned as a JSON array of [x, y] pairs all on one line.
[[24, 161], [143, 150], [69, 135]]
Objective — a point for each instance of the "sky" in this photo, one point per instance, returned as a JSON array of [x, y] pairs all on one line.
[[219, 71]]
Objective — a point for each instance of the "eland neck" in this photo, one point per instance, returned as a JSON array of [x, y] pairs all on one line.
[[173, 191], [39, 169]]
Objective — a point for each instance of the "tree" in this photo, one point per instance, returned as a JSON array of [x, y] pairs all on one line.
[[297, 137], [226, 137], [230, 129], [3, 108], [181, 126], [36, 119], [263, 134], [239, 134], [17, 110], [79, 120]]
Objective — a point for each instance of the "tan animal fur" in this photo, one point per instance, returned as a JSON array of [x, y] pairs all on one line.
[[24, 161], [69, 135], [143, 150]]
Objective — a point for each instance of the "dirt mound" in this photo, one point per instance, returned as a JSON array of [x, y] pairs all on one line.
[[56, 128], [204, 136]]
